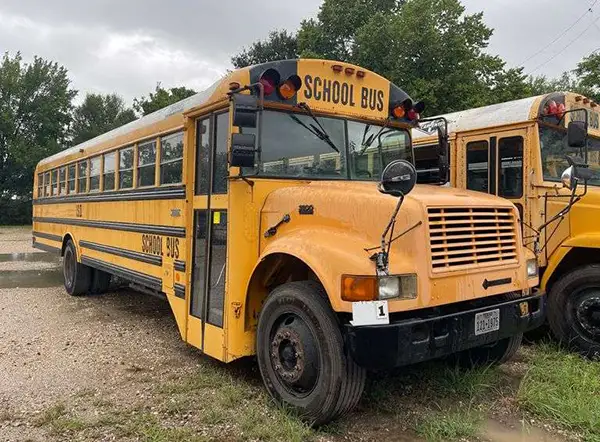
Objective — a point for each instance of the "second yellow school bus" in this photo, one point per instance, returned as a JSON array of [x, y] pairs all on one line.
[[520, 150], [255, 207]]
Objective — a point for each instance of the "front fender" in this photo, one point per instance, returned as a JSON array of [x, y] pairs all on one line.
[[329, 253], [587, 240]]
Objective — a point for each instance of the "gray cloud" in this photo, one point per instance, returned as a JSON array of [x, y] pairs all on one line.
[[127, 46]]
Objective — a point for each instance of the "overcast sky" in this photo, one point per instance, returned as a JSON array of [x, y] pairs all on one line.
[[126, 46]]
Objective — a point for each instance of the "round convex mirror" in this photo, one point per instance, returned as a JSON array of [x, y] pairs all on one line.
[[398, 178]]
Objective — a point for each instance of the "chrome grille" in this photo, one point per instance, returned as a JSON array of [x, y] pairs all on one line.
[[463, 237]]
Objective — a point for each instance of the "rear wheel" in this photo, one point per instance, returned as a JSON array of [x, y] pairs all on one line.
[[574, 310], [77, 276], [496, 353], [301, 355]]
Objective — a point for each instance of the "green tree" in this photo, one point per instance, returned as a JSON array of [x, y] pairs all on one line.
[[588, 72], [35, 113], [99, 114], [280, 45], [160, 98], [430, 48]]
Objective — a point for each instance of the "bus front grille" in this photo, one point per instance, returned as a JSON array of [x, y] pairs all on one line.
[[463, 238]]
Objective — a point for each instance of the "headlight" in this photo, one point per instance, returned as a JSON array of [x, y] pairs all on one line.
[[401, 286], [532, 268]]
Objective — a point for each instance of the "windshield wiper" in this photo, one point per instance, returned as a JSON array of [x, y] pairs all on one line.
[[318, 131], [369, 141]]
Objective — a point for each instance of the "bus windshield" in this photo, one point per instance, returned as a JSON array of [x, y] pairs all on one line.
[[553, 144], [293, 145]]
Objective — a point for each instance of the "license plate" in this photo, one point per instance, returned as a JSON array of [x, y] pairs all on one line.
[[486, 322]]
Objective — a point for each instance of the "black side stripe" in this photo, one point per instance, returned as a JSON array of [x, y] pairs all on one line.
[[153, 193], [179, 265], [178, 232], [46, 248], [137, 256], [148, 281], [47, 236], [179, 291]]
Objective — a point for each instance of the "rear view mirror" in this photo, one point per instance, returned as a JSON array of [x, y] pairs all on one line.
[[242, 150], [245, 108], [398, 178], [577, 134]]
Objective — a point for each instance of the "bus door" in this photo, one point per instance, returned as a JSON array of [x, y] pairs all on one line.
[[209, 272], [494, 163]]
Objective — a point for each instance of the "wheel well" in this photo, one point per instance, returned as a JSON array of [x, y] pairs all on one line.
[[65, 240], [577, 257], [273, 271]]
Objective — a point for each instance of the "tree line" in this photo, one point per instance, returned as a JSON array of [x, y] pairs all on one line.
[[39, 117], [430, 48]]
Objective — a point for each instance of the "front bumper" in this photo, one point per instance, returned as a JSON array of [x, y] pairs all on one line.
[[417, 339]]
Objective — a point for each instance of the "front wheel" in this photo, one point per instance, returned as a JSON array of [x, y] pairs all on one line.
[[301, 355], [574, 310]]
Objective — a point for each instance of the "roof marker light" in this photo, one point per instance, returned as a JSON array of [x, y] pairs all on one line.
[[349, 71], [337, 68]]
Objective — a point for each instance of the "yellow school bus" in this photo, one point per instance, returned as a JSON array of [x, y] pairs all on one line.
[[524, 151], [261, 211]]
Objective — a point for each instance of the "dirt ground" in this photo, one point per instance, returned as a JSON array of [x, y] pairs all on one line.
[[113, 367]]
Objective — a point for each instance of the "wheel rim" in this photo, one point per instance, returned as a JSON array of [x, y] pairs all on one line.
[[69, 268], [293, 355], [587, 312]]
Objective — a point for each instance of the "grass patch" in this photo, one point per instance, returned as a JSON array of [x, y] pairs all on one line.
[[564, 388], [454, 425]]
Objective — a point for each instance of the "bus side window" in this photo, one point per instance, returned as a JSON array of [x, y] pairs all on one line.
[[478, 166], [40, 185], [146, 163], [71, 178], [202, 160], [126, 168], [55, 182], [62, 190], [171, 158], [219, 184], [95, 174], [47, 184], [510, 155], [109, 171], [83, 168]]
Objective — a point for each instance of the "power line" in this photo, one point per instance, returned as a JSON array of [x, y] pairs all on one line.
[[563, 49], [588, 10]]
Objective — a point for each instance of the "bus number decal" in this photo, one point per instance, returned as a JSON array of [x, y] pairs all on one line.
[[78, 210], [173, 248], [152, 244]]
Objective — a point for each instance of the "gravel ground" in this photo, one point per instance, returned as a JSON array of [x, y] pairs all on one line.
[[16, 240], [113, 367]]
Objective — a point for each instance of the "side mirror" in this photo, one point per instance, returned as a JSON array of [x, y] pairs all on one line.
[[245, 109], [398, 178], [443, 155], [577, 134], [242, 150]]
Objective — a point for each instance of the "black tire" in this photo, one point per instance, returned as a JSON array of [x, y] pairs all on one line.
[[301, 355], [77, 277], [574, 310], [100, 281], [491, 354]]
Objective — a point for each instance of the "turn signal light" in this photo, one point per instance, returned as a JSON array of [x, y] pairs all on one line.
[[359, 288], [289, 87]]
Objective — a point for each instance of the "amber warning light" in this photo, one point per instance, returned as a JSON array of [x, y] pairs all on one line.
[[287, 89]]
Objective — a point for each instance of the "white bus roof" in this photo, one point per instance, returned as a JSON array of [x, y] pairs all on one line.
[[177, 108], [488, 116]]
